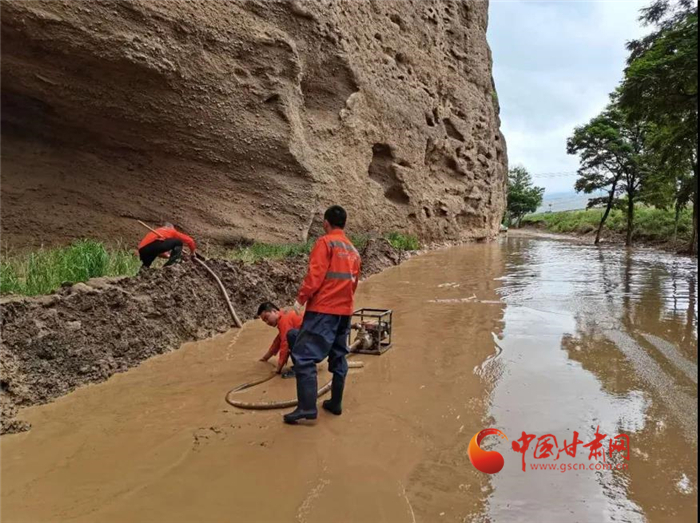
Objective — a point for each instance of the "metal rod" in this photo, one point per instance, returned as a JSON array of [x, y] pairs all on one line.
[[150, 228]]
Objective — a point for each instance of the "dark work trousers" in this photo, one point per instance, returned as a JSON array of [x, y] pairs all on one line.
[[150, 252], [321, 335], [292, 335], [291, 340]]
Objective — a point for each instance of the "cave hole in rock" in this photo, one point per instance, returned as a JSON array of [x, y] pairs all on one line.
[[396, 19], [382, 170], [452, 131], [327, 84]]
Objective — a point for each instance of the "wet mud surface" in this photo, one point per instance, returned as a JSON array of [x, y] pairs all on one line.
[[525, 335], [89, 331]]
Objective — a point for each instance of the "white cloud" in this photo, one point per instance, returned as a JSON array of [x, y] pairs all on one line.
[[555, 64]]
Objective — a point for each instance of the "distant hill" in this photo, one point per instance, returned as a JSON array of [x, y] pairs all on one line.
[[565, 201]]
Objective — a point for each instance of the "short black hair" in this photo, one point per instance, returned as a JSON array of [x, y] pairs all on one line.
[[267, 306], [336, 216]]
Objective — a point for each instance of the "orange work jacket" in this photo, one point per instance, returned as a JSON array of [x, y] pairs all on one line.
[[165, 233], [334, 271], [288, 320]]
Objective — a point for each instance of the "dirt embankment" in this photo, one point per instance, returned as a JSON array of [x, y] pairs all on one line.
[[89, 331]]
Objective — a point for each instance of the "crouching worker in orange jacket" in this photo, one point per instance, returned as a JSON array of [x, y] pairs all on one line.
[[328, 293], [288, 324], [162, 241]]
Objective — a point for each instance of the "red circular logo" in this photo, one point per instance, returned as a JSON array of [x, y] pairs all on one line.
[[488, 461]]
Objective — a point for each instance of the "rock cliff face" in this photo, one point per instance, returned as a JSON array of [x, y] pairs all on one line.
[[243, 119]]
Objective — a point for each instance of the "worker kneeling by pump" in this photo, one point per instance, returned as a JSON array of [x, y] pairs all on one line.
[[287, 324]]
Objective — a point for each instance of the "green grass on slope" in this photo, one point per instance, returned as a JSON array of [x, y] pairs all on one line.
[[650, 224], [46, 269], [43, 271]]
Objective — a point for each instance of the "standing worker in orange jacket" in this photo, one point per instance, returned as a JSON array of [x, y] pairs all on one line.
[[288, 324], [328, 292], [164, 240]]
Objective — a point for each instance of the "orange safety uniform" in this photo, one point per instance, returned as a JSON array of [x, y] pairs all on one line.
[[334, 271], [287, 320], [166, 233]]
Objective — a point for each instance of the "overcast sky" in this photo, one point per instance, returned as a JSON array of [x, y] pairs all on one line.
[[555, 62]]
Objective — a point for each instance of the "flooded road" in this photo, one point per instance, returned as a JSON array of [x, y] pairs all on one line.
[[526, 335]]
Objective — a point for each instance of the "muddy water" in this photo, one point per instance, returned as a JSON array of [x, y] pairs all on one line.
[[525, 335]]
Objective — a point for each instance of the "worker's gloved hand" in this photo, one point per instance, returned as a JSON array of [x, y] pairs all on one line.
[[298, 307]]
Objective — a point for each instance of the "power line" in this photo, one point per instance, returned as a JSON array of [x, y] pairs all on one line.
[[560, 174]]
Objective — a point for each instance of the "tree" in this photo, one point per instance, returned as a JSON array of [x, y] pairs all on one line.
[[612, 159], [661, 87], [670, 180], [523, 197]]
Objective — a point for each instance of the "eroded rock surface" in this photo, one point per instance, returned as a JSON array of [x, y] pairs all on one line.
[[241, 119]]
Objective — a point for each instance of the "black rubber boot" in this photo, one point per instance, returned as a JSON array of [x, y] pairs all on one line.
[[335, 404], [306, 408]]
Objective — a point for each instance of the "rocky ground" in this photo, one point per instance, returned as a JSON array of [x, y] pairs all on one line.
[[89, 331]]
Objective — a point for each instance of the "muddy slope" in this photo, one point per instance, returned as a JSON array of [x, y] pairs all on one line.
[[87, 332], [241, 119]]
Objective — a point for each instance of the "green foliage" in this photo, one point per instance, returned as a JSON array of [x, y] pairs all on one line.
[[43, 271], [652, 224], [661, 79], [259, 251], [660, 88], [613, 157], [611, 153], [403, 242], [669, 183], [523, 197], [359, 240]]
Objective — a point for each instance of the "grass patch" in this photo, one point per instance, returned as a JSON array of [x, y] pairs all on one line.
[[274, 251], [650, 224], [267, 251], [359, 240], [45, 270], [403, 242]]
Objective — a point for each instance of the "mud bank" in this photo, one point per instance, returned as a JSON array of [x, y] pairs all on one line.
[[87, 332]]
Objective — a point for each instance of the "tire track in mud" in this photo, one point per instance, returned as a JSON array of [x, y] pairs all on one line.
[[682, 407], [673, 355]]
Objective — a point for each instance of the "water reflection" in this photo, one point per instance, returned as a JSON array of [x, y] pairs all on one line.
[[598, 338]]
